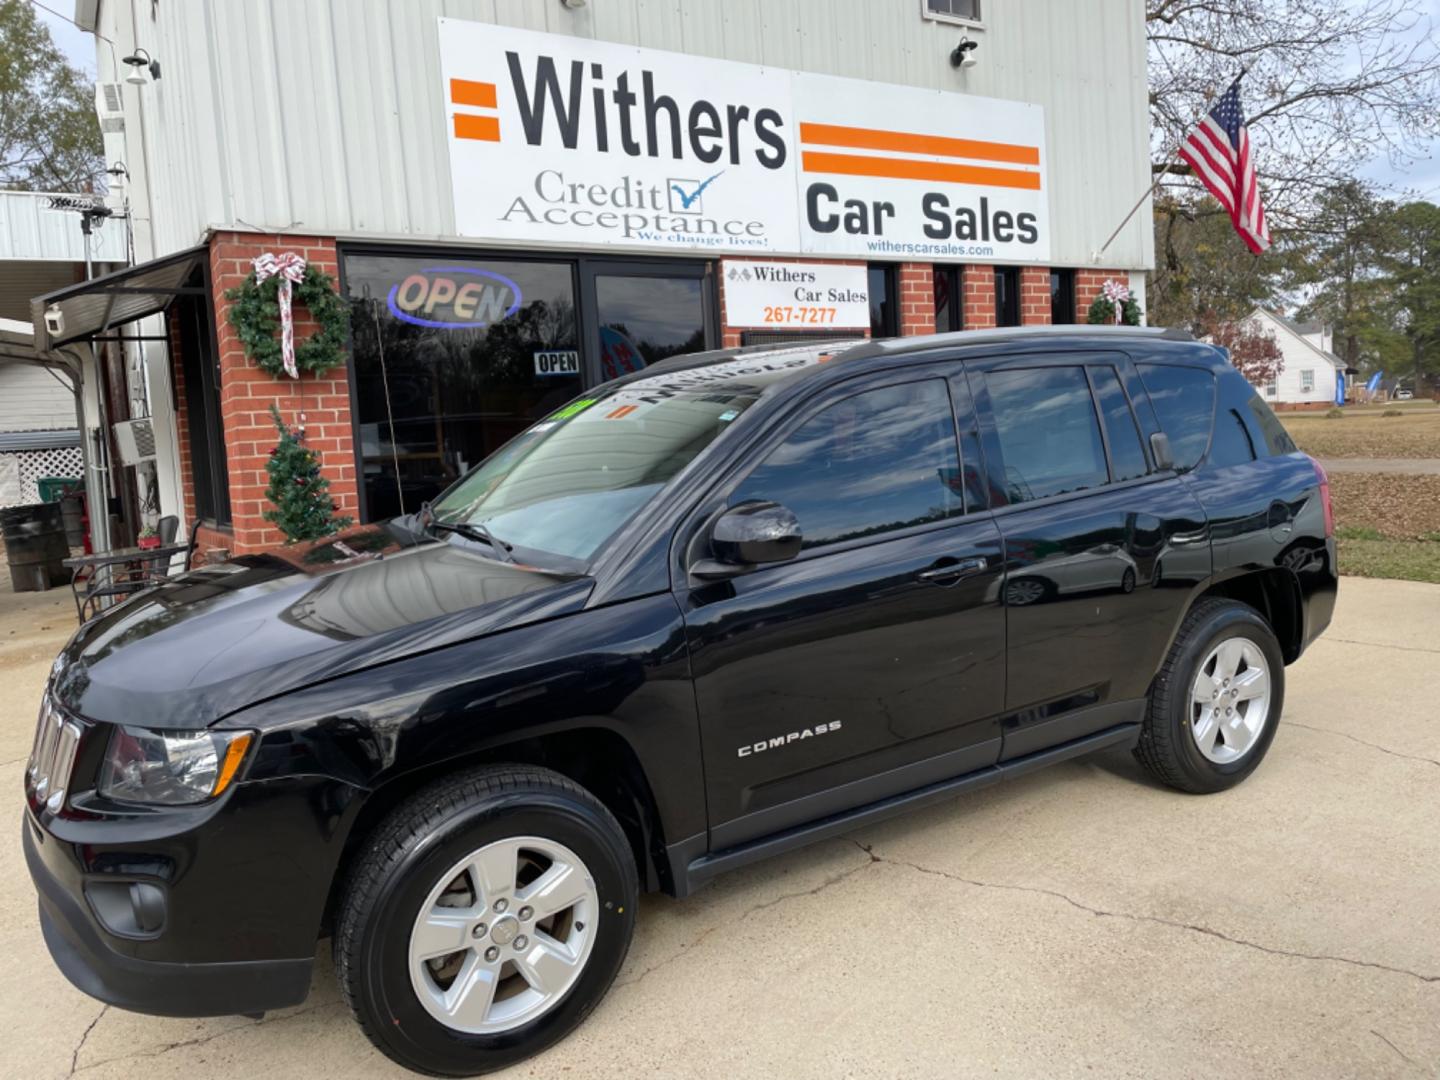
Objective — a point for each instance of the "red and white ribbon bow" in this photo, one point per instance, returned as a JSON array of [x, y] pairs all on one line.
[[1117, 294], [291, 270]]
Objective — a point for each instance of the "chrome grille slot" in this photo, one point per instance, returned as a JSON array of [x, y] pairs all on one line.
[[56, 742]]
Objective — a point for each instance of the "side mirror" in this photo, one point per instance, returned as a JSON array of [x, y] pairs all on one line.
[[748, 535], [1160, 450]]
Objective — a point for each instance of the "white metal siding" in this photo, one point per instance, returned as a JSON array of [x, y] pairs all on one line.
[[31, 399], [29, 229], [326, 116]]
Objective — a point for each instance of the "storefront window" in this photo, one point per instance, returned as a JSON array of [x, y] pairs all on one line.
[[883, 316], [453, 357], [644, 320], [946, 285]]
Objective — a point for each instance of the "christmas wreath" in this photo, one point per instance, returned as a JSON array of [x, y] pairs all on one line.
[[260, 313], [1114, 305]]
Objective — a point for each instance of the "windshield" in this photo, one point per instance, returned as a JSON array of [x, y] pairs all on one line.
[[569, 483]]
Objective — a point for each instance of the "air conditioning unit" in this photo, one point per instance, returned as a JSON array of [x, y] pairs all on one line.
[[110, 106], [135, 440]]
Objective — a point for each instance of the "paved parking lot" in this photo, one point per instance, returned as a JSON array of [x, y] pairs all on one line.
[[1080, 921]]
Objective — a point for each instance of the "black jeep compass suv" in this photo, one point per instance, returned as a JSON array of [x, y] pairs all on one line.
[[704, 614]]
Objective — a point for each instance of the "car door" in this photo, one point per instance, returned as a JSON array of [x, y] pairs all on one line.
[[1102, 549], [873, 662]]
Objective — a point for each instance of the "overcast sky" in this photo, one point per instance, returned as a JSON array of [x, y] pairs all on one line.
[[1420, 177]]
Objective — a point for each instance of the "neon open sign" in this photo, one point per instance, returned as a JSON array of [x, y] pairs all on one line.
[[454, 298]]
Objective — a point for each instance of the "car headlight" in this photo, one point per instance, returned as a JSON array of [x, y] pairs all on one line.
[[171, 768]]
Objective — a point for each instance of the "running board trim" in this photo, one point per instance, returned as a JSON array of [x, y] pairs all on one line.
[[701, 870]]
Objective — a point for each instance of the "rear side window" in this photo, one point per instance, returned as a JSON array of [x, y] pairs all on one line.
[[1277, 439], [1184, 401], [1127, 460], [1049, 436], [871, 463], [1233, 444]]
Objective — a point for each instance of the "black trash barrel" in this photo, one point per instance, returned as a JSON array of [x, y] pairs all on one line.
[[35, 546]]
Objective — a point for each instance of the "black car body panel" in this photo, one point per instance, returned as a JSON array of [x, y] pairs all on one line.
[[727, 717]]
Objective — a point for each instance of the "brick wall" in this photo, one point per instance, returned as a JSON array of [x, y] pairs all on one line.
[[1088, 284], [246, 394], [730, 335], [977, 294], [916, 284], [1035, 296]]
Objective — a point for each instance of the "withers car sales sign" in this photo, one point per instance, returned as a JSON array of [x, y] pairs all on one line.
[[568, 141]]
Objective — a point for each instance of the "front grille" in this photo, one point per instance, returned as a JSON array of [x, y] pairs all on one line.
[[53, 756]]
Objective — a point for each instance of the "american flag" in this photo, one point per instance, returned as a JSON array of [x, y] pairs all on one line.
[[1219, 152]]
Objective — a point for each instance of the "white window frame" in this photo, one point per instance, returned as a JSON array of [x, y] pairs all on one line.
[[1272, 388], [954, 20], [1307, 380]]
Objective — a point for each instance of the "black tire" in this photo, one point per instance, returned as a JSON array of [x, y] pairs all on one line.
[[1167, 748], [405, 858]]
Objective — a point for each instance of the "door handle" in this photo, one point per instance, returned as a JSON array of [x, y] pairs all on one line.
[[953, 570]]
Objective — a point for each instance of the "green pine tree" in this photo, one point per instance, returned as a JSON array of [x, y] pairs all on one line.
[[301, 496]]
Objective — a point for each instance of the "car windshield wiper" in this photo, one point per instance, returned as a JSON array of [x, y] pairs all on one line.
[[476, 532]]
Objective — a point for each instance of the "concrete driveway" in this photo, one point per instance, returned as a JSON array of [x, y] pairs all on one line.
[[1081, 921]]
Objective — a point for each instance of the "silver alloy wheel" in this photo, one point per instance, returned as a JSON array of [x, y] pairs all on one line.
[[503, 935], [1230, 700]]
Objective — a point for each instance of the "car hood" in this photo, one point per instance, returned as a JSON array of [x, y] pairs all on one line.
[[223, 637]]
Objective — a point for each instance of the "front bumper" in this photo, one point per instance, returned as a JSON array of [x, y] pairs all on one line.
[[165, 988]]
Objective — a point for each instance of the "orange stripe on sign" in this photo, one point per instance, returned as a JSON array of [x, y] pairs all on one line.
[[623, 411], [479, 94], [907, 142], [901, 169], [486, 128]]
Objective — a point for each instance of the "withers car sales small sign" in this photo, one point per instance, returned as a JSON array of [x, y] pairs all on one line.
[[782, 294], [573, 142]]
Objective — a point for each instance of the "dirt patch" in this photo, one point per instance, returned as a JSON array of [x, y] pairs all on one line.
[[1368, 434], [1395, 506]]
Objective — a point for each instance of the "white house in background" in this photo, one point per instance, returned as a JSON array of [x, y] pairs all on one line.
[[1307, 379], [41, 249]]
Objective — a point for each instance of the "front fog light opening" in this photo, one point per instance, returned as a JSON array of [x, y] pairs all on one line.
[[171, 768]]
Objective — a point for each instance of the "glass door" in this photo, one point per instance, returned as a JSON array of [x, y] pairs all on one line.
[[643, 312]]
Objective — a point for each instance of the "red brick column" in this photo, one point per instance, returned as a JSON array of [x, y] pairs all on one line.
[[1035, 296], [730, 334], [246, 394], [182, 417], [1088, 284], [977, 288], [916, 283]]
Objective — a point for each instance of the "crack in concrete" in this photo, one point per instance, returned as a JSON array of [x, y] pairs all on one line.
[[1379, 644], [1397, 1050], [1362, 742], [75, 1054], [202, 1039], [1191, 927], [690, 946]]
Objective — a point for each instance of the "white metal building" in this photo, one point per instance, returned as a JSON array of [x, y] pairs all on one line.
[[615, 162]]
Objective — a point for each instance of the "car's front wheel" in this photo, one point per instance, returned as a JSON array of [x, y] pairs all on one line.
[[488, 916], [1216, 702]]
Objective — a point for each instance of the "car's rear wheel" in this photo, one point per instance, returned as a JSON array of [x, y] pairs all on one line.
[[1216, 702], [486, 919]]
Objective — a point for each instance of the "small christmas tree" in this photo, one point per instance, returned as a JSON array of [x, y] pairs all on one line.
[[301, 496]]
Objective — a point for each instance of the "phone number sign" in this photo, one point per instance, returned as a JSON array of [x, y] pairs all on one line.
[[787, 294]]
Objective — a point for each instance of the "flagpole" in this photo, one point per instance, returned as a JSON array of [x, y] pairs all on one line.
[[1169, 162]]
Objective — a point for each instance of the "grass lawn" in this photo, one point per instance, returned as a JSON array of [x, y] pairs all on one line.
[[1366, 432], [1366, 554], [1387, 525]]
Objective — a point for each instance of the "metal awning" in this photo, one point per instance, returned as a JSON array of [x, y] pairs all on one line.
[[92, 307]]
